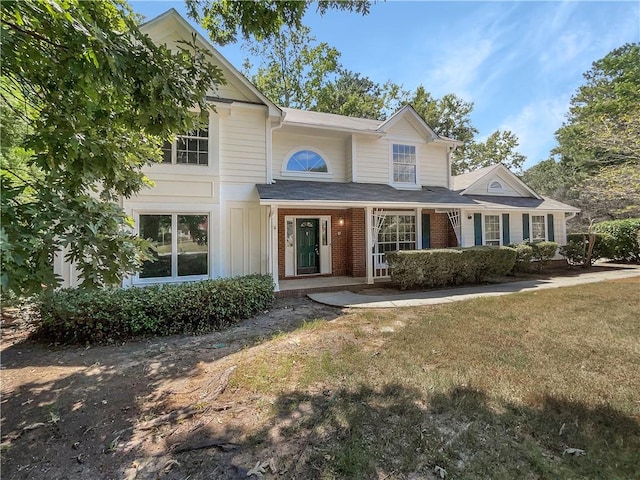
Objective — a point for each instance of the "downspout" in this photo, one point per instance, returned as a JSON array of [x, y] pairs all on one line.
[[269, 145]]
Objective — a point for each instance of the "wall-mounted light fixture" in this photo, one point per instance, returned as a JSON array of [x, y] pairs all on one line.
[[341, 221], [469, 217]]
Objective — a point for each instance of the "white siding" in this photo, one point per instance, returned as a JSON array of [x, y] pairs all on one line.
[[243, 146], [333, 149], [403, 129], [509, 189], [433, 168], [372, 162]]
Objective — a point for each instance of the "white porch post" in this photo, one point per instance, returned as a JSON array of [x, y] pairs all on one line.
[[273, 247], [419, 228], [368, 214]]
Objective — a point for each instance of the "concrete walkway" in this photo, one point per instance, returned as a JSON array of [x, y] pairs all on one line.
[[348, 299]]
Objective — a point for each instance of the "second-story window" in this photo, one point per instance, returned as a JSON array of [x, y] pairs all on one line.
[[404, 163], [189, 149], [307, 161]]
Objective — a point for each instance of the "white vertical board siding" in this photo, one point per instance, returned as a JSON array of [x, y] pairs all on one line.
[[243, 145], [247, 243], [372, 160], [333, 150], [433, 167]]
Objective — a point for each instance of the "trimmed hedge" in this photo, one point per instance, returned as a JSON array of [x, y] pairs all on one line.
[[625, 238], [451, 266], [524, 256], [109, 315], [578, 243]]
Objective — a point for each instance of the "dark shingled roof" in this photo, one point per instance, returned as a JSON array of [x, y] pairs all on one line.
[[528, 203], [292, 190]]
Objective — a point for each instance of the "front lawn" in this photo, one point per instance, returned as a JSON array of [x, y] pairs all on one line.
[[533, 385]]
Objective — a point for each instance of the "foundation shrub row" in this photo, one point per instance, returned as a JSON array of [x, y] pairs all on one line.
[[111, 315], [451, 266]]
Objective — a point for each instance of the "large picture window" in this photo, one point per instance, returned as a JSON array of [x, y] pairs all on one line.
[[404, 163], [180, 242], [538, 232], [398, 232], [492, 229]]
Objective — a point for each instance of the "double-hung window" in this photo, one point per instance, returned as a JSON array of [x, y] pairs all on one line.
[[189, 149], [492, 229], [397, 232], [538, 231], [404, 163], [180, 243]]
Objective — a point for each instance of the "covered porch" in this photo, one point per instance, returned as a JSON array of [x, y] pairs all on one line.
[[325, 238]]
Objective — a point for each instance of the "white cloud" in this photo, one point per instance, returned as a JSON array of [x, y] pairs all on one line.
[[535, 125]]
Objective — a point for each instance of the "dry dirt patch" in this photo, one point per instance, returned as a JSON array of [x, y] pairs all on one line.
[[75, 412]]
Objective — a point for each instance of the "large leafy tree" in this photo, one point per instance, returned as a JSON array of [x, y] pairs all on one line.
[[226, 20], [596, 165], [603, 123], [94, 97], [355, 95], [293, 69], [499, 147]]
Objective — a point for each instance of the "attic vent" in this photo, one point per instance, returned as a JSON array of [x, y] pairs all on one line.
[[495, 186]]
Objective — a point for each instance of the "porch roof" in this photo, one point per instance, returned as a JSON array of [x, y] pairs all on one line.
[[292, 191], [521, 203]]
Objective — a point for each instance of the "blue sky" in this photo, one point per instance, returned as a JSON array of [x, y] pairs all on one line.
[[519, 62]]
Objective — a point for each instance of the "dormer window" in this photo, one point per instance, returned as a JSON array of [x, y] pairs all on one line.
[[189, 149], [306, 161], [404, 163]]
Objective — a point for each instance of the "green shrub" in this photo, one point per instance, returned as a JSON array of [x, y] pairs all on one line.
[[451, 266], [543, 252], [625, 237], [575, 250], [524, 256], [109, 315]]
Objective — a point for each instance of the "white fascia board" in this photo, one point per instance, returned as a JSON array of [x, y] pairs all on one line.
[[344, 204]]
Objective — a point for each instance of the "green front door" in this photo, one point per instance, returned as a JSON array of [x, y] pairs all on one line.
[[307, 247]]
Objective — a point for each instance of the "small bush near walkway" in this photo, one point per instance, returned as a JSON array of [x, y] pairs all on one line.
[[625, 238], [451, 266], [109, 315], [577, 248]]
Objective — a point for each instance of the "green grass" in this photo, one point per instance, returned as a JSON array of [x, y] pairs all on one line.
[[490, 388]]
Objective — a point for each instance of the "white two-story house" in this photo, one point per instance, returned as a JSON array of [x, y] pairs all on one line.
[[300, 195]]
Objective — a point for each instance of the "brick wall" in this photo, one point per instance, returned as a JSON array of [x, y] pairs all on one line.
[[442, 234], [347, 241]]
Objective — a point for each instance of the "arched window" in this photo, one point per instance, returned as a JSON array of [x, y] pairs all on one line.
[[307, 161], [496, 185]]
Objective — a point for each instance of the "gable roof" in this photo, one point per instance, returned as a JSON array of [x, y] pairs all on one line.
[[465, 182], [306, 118], [332, 121], [238, 77]]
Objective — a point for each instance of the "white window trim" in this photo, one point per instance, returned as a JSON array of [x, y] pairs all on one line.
[[174, 244], [484, 228], [410, 213], [174, 151], [544, 222], [288, 173], [404, 185]]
